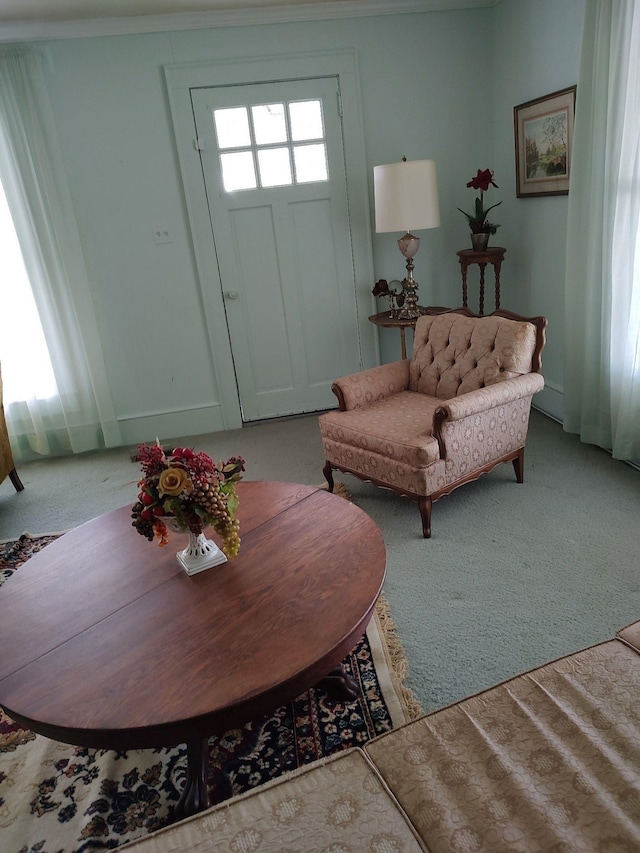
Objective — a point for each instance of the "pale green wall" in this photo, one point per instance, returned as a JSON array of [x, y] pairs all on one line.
[[536, 50], [440, 85]]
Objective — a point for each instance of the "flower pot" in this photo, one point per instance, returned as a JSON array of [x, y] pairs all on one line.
[[480, 241], [201, 553]]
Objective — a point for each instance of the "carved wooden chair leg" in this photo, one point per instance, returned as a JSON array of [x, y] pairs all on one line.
[[17, 482], [425, 505], [518, 465], [328, 475]]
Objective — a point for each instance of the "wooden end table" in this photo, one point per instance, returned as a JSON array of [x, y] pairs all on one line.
[[492, 255], [390, 320], [107, 643]]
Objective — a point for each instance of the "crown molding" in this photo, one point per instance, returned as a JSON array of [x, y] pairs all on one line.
[[239, 17]]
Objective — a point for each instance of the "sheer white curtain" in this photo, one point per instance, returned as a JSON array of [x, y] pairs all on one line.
[[602, 334], [80, 416]]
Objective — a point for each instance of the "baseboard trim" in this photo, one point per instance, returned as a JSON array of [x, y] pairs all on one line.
[[550, 401], [167, 425]]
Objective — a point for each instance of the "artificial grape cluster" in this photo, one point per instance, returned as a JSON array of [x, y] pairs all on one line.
[[142, 525], [194, 523], [215, 504], [208, 497], [231, 538]]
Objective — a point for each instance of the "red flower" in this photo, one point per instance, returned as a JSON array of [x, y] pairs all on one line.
[[381, 288], [483, 180], [478, 221]]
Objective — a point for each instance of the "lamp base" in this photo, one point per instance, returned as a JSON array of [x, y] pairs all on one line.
[[409, 310], [408, 244]]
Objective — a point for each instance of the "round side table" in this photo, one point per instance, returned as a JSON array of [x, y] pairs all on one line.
[[390, 320], [492, 255]]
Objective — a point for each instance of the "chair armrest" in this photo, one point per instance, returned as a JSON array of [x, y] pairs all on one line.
[[369, 386], [492, 395], [483, 400]]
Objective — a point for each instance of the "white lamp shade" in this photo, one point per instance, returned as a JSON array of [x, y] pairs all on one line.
[[406, 196]]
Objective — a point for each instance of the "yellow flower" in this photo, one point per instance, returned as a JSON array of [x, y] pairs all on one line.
[[173, 481]]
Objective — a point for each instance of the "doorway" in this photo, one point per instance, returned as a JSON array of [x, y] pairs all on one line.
[[273, 167], [284, 264]]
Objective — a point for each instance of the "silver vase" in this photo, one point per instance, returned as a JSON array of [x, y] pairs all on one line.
[[480, 241]]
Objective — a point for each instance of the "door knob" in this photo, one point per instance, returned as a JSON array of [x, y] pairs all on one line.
[[231, 294]]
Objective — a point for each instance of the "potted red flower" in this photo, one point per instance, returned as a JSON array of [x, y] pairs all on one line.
[[478, 221]]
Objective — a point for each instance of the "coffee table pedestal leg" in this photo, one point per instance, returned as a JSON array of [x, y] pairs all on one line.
[[195, 797], [340, 685]]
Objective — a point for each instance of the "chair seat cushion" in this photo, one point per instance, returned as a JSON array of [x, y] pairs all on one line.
[[398, 428]]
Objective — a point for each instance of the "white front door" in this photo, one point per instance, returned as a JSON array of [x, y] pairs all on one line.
[[273, 167]]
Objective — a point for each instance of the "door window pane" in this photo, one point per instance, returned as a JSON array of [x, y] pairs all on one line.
[[306, 120], [269, 123], [275, 167], [238, 171], [267, 132], [311, 163], [232, 127]]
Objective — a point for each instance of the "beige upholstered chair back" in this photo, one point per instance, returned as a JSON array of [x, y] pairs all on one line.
[[454, 354]]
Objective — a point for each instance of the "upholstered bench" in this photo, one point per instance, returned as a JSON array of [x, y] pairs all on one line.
[[547, 762], [336, 804]]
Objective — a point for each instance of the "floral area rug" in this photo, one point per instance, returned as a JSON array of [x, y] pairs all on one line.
[[56, 798]]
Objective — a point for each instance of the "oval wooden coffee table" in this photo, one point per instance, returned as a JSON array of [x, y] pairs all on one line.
[[108, 643]]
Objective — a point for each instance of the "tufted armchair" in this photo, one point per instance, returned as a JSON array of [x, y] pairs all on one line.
[[457, 408], [6, 456]]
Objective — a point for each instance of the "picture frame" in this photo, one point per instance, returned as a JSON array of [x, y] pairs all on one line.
[[543, 130]]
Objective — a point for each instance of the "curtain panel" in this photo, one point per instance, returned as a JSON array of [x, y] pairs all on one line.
[[602, 334], [81, 417]]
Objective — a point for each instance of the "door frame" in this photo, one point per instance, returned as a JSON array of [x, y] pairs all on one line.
[[180, 80]]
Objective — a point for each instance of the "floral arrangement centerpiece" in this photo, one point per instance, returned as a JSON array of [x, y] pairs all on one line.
[[394, 296], [187, 491], [478, 221]]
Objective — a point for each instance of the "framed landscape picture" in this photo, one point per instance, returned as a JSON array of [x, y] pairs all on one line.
[[543, 135]]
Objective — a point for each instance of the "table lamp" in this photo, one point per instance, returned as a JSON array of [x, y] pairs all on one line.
[[406, 198]]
